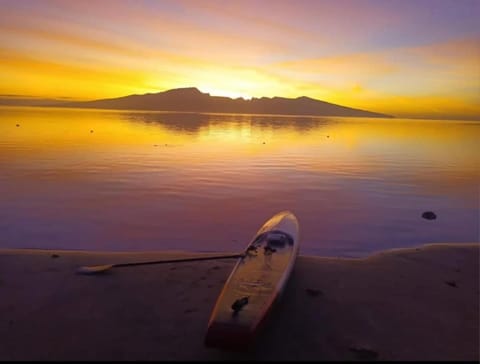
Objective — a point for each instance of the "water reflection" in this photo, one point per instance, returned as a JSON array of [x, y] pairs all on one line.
[[194, 122], [152, 181]]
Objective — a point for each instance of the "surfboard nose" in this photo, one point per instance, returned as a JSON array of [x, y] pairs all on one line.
[[284, 221]]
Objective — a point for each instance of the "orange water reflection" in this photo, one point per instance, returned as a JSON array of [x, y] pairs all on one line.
[[91, 179]]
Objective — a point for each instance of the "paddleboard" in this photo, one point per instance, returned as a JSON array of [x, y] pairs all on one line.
[[255, 283]]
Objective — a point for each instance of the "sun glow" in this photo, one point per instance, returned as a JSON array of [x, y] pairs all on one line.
[[228, 52], [225, 93]]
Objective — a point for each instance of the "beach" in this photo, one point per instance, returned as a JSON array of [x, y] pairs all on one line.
[[407, 304]]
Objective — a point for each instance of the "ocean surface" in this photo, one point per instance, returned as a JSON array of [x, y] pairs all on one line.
[[147, 181]]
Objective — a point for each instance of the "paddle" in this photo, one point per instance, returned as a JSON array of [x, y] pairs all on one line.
[[95, 269]]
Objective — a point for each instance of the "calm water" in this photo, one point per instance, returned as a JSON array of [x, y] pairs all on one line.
[[156, 181]]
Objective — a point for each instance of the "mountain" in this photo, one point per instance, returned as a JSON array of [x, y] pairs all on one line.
[[190, 99], [13, 100]]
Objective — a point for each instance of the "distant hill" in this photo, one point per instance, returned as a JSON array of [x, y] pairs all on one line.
[[190, 99], [7, 100]]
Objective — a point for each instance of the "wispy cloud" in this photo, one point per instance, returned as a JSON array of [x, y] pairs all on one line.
[[396, 57]]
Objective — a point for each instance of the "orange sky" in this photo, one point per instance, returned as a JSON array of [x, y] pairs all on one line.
[[406, 58]]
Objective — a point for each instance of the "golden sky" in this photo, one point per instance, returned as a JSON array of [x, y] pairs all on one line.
[[406, 58]]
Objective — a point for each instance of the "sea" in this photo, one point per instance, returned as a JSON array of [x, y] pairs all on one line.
[[109, 180]]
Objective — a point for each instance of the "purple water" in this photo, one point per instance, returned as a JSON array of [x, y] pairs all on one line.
[[123, 181]]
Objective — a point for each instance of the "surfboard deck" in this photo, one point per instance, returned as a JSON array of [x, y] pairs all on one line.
[[255, 283]]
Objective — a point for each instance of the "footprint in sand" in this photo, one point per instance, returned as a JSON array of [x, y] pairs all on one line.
[[313, 292], [190, 310], [364, 353]]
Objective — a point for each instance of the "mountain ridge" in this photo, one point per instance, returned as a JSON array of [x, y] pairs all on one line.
[[191, 99]]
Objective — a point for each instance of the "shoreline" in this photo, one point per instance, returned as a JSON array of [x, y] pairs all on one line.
[[419, 303], [181, 253]]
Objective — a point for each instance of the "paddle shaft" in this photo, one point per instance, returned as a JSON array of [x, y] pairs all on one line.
[[177, 260]]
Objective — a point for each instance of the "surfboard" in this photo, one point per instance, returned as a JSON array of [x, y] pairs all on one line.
[[256, 282]]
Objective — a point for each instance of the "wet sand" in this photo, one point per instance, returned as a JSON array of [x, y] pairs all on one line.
[[408, 304]]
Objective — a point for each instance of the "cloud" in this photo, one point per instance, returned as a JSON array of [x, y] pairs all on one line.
[[337, 51]]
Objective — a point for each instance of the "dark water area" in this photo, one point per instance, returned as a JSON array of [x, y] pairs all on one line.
[[141, 181]]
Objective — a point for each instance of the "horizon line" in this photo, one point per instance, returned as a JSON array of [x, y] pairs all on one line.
[[66, 99]]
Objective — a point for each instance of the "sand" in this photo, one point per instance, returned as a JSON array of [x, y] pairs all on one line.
[[408, 304]]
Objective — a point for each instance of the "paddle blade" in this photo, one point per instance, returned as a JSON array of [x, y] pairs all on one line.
[[96, 269]]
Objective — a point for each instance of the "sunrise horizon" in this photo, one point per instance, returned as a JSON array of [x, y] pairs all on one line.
[[240, 180], [409, 59], [62, 99]]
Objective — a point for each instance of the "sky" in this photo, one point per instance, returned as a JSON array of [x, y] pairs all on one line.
[[408, 58]]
